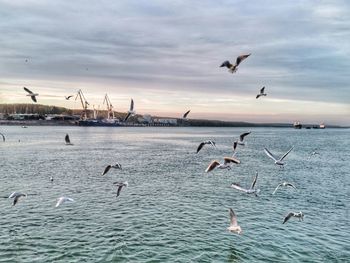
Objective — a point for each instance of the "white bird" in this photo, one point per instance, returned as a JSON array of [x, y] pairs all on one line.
[[120, 185], [31, 94], [62, 200], [16, 196], [251, 190], [280, 160], [228, 161], [66, 138], [261, 93], [234, 227], [233, 68], [299, 215], [131, 111], [115, 166], [283, 184], [200, 146], [186, 113], [241, 138]]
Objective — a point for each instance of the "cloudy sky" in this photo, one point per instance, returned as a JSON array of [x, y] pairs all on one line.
[[166, 55]]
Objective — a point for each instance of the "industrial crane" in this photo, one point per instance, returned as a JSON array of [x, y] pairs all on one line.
[[110, 112], [84, 103]]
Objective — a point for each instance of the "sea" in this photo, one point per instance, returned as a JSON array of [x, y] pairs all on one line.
[[172, 211]]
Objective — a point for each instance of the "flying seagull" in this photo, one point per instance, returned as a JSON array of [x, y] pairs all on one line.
[[131, 111], [200, 146], [283, 184], [261, 93], [234, 227], [3, 137], [186, 113], [241, 138], [67, 140], [226, 165], [251, 190], [108, 167], [120, 185], [67, 98], [62, 200], [16, 196], [31, 94], [277, 161], [299, 215], [233, 68]]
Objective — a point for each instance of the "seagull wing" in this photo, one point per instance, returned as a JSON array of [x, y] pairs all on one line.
[[233, 218], [27, 90], [185, 115], [67, 98], [127, 117], [17, 197], [119, 189], [269, 154], [226, 64], [212, 143], [132, 105], [241, 58], [262, 90], [231, 160], [288, 217], [238, 187], [254, 181], [291, 185], [59, 201], [3, 137], [67, 138], [212, 166], [33, 98], [108, 167], [257, 96], [235, 145], [276, 189], [241, 137], [284, 156], [200, 146]]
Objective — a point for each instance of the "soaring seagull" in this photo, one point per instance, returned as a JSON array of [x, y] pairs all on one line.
[[299, 215], [234, 227], [226, 165], [261, 93], [200, 146], [31, 94], [62, 200], [120, 185], [3, 137], [186, 113], [284, 184], [251, 190], [108, 167], [241, 138], [131, 111], [233, 68], [67, 98], [66, 138], [277, 161], [16, 196]]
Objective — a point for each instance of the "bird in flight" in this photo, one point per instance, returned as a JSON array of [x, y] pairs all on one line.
[[186, 113], [234, 227], [278, 161], [131, 111], [108, 167], [63, 200], [233, 68], [286, 184], [16, 196], [241, 138], [299, 215], [120, 185], [228, 161], [251, 190], [67, 98], [261, 93], [31, 94], [200, 146]]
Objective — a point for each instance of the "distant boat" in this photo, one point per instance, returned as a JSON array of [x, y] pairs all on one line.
[[100, 123], [297, 125], [322, 126]]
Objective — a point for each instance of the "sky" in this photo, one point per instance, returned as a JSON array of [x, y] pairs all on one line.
[[165, 54]]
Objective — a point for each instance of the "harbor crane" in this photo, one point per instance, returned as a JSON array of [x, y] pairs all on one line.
[[84, 104], [110, 112]]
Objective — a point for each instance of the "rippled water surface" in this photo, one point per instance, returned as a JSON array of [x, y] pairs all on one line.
[[172, 211]]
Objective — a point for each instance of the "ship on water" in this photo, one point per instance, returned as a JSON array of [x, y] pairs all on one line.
[[297, 125]]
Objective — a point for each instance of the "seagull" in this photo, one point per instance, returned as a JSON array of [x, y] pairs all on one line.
[[226, 165], [186, 113], [62, 200], [16, 196], [200, 146], [241, 138], [299, 215], [261, 93], [251, 190], [283, 184], [67, 98], [108, 167], [131, 111], [67, 140], [3, 137], [233, 68], [277, 161], [234, 227], [31, 94], [51, 179], [120, 186]]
